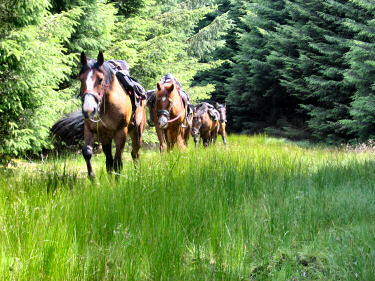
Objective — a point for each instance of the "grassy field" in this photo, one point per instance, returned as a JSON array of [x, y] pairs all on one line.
[[261, 209]]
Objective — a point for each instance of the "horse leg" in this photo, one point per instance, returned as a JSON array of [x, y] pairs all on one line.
[[181, 142], [176, 136], [136, 145], [214, 135], [206, 142], [224, 138], [187, 133], [87, 151], [161, 137], [196, 141], [120, 139], [107, 149], [171, 139]]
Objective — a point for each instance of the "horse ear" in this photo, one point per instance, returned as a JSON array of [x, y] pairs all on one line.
[[217, 105], [100, 58], [171, 88], [83, 58], [158, 86]]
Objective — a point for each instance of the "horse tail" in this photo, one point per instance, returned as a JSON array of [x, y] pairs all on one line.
[[69, 130]]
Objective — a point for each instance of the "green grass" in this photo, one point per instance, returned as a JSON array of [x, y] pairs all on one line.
[[261, 209]]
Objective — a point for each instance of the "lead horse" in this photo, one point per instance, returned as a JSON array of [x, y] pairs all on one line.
[[169, 116], [107, 109]]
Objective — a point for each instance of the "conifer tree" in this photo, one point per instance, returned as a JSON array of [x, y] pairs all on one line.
[[255, 97], [361, 73], [32, 64], [314, 44]]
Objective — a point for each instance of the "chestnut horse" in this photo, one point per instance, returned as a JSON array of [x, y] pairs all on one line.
[[107, 110], [222, 108], [204, 126], [169, 117]]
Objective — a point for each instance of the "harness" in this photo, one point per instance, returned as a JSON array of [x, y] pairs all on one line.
[[99, 97]]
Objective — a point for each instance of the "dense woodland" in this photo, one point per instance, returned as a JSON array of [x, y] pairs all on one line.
[[298, 69]]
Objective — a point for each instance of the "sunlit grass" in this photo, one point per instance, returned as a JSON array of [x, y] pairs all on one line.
[[259, 209]]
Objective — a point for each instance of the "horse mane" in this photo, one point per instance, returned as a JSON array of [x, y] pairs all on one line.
[[93, 64]]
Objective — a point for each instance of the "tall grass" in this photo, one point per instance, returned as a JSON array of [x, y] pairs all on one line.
[[260, 209]]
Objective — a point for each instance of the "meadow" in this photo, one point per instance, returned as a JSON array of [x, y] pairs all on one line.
[[260, 209]]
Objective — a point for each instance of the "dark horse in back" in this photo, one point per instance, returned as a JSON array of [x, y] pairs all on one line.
[[108, 114], [169, 117], [205, 124]]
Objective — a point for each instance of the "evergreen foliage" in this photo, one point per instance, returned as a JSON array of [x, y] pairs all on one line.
[[41, 39], [255, 96], [32, 64], [292, 68], [361, 73]]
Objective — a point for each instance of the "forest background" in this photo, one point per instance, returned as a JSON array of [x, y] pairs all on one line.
[[296, 69]]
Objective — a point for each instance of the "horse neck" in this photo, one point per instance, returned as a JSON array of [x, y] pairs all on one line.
[[208, 118], [110, 93], [177, 105], [222, 128]]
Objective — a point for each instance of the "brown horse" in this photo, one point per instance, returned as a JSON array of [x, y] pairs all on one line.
[[108, 113], [222, 108], [204, 126], [169, 117]]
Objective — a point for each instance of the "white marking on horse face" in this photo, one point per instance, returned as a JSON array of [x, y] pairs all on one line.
[[163, 99], [89, 104], [89, 80]]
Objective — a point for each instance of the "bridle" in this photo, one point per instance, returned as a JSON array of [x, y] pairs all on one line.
[[99, 97], [167, 113]]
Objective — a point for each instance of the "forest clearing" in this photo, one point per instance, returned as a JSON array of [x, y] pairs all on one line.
[[259, 209], [287, 194]]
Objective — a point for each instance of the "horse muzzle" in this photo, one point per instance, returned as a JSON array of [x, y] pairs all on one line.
[[89, 106], [194, 132], [163, 118], [163, 122], [89, 114]]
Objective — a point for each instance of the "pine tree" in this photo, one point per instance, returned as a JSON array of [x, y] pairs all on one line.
[[165, 38], [361, 73], [32, 64], [255, 97], [311, 49]]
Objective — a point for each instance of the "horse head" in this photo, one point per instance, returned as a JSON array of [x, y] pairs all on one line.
[[95, 76], [168, 105], [196, 125], [222, 108]]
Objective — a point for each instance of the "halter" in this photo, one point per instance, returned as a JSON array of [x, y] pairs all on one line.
[[98, 98]]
